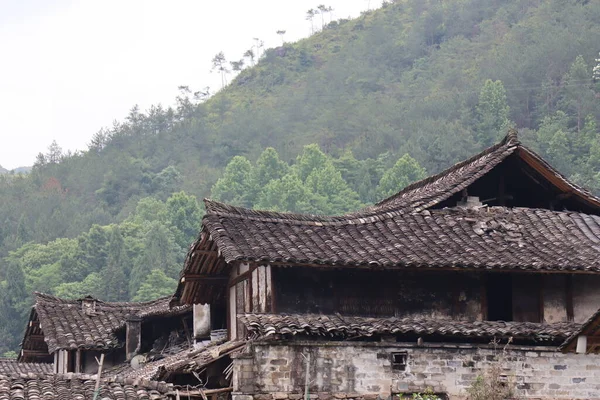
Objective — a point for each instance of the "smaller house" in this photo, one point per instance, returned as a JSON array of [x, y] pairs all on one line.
[[71, 334], [147, 341]]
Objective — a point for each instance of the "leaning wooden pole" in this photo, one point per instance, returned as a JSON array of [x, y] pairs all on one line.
[[97, 387]]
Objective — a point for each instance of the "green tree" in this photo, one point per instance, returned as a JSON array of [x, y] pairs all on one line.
[[285, 194], [185, 216], [115, 280], [333, 193], [311, 158], [268, 167], [492, 112], [578, 96], [406, 171], [159, 252], [155, 285], [93, 285], [235, 185]]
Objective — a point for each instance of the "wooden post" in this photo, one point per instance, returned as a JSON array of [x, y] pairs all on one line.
[[133, 336], [97, 387], [78, 361], [307, 377]]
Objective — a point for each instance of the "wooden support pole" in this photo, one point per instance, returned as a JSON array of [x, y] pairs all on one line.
[[78, 361], [97, 387]]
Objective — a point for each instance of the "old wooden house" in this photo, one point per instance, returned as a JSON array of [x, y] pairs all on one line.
[[142, 343], [419, 291], [72, 334]]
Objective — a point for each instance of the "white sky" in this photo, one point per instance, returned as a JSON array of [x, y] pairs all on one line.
[[69, 68]]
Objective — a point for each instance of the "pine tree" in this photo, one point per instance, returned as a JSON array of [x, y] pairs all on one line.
[[492, 112], [115, 281]]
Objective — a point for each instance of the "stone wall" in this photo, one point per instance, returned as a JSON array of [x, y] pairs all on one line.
[[363, 370]]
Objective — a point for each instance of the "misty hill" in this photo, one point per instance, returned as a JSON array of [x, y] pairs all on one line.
[[406, 78], [3, 170], [438, 80]]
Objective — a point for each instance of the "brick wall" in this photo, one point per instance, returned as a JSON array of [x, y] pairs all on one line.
[[363, 370]]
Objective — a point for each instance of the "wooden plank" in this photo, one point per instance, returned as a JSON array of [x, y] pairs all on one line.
[[204, 277], [247, 297], [569, 298], [262, 288], [268, 290], [240, 306], [273, 290], [34, 353], [232, 314], [78, 361], [255, 291], [242, 277]]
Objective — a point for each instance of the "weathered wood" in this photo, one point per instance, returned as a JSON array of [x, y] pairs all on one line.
[[268, 290], [240, 306], [78, 361], [33, 353], [133, 336], [242, 277], [255, 291], [569, 299], [262, 287], [203, 277], [232, 320]]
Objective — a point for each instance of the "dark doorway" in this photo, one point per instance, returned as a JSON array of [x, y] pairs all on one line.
[[499, 295]]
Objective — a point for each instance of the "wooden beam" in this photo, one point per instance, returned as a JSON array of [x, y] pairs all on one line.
[[35, 337], [203, 277], [34, 353], [242, 277]]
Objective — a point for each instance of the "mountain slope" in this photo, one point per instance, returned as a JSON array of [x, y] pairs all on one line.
[[406, 78]]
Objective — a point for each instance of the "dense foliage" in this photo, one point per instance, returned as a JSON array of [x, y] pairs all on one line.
[[348, 116]]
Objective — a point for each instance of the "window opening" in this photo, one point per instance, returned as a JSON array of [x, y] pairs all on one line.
[[399, 361], [499, 294]]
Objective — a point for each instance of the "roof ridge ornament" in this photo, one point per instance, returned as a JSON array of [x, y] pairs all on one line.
[[512, 137]]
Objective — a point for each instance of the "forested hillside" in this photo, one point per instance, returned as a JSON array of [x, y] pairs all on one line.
[[325, 125]]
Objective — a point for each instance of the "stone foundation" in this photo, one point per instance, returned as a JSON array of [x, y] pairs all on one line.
[[364, 370]]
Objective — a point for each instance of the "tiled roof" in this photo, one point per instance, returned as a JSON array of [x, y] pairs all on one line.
[[11, 366], [67, 325], [262, 325], [78, 387], [184, 361], [437, 188], [490, 238], [405, 231], [590, 328]]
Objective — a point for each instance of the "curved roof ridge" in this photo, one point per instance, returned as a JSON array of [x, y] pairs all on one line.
[[48, 298], [390, 206], [510, 142]]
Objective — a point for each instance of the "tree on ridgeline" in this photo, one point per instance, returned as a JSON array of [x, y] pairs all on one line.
[[219, 63], [492, 112], [406, 171], [281, 33]]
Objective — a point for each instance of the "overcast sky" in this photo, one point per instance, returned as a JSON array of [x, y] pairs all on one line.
[[69, 68]]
